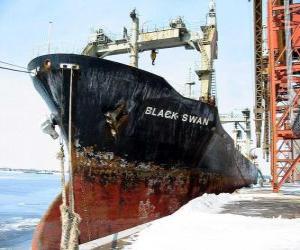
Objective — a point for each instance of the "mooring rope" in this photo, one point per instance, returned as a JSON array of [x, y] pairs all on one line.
[[65, 215], [14, 65], [16, 70], [69, 219]]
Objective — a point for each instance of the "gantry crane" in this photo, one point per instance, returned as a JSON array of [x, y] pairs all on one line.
[[242, 124], [277, 85], [261, 108], [284, 82], [259, 84]]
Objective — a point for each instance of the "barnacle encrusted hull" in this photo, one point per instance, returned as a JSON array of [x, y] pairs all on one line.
[[141, 150]]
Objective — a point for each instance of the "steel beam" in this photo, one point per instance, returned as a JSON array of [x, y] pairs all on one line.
[[284, 98], [259, 79]]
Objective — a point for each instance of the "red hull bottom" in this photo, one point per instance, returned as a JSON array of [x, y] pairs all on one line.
[[111, 198]]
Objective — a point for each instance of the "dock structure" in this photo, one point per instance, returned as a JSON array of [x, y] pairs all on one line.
[[175, 35], [284, 85], [277, 84], [113, 241], [266, 204]]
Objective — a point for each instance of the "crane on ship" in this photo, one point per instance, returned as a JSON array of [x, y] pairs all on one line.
[[175, 35], [242, 125], [277, 84]]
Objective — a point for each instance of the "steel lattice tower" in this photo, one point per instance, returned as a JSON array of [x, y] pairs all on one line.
[[284, 83]]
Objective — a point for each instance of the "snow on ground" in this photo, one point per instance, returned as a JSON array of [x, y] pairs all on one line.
[[199, 225]]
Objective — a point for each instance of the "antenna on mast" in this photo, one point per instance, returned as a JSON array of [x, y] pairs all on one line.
[[49, 36], [211, 20], [190, 83]]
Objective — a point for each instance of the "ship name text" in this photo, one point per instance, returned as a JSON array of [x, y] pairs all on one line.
[[171, 115]]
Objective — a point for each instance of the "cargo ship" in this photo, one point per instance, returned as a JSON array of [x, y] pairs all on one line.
[[140, 149]]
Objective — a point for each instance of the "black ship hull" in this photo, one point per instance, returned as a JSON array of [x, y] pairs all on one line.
[[145, 148]]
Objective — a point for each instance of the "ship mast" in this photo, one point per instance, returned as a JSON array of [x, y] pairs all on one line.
[[134, 50], [176, 35], [208, 49]]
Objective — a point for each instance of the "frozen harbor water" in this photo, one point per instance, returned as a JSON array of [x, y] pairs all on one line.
[[24, 197]]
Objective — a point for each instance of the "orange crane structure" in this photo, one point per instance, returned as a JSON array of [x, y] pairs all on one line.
[[278, 86]]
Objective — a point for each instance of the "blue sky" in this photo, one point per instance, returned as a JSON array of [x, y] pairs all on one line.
[[24, 27]]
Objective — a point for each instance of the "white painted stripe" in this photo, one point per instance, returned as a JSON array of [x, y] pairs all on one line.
[[96, 244]]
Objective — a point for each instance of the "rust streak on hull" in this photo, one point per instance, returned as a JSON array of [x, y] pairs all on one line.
[[137, 196]]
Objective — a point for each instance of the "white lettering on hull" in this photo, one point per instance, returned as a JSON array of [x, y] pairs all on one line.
[[171, 115]]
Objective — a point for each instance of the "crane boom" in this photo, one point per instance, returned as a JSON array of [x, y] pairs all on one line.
[[176, 35]]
